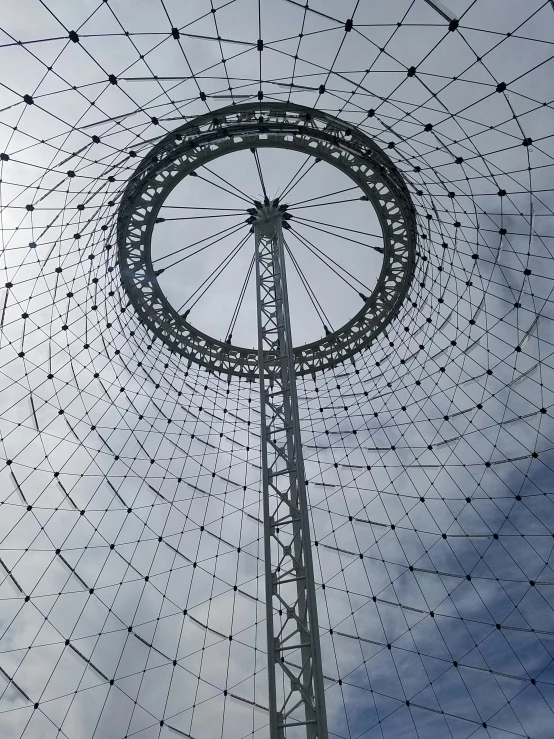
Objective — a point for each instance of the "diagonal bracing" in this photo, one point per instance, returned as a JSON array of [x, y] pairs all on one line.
[[296, 694]]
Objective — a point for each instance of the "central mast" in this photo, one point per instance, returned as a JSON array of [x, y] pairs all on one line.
[[295, 676]]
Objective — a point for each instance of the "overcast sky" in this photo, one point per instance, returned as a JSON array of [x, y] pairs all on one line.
[[131, 482]]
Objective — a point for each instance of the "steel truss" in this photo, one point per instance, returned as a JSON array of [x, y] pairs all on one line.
[[286, 126], [295, 677]]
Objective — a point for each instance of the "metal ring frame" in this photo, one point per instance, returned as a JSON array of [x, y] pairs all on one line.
[[257, 125]]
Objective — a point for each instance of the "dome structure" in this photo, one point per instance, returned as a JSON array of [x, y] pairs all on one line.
[[264, 254]]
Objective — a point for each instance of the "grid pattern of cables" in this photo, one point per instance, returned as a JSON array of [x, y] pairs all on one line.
[[131, 558]]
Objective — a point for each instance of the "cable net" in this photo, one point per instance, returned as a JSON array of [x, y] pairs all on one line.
[[131, 532]]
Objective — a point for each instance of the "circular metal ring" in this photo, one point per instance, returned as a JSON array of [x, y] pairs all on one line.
[[276, 125]]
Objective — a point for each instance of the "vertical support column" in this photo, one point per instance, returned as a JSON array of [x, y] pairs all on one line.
[[295, 676]]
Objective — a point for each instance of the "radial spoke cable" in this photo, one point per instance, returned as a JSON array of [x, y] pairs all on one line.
[[313, 298], [236, 312], [214, 274]]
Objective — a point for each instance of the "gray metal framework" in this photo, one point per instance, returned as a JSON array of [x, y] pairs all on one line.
[[295, 676], [257, 125]]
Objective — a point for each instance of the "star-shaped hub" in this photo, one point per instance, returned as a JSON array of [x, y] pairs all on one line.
[[267, 214]]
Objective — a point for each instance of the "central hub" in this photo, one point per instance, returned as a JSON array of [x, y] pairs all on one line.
[[269, 212], [265, 216]]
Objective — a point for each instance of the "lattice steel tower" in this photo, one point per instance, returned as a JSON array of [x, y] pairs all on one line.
[[289, 576]]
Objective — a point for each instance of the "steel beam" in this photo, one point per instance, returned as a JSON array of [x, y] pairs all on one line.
[[295, 677]]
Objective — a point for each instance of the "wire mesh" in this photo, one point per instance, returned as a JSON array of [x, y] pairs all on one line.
[[131, 562]]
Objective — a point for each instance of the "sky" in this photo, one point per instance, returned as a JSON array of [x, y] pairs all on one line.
[[131, 529]]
